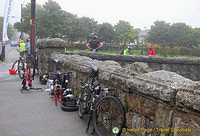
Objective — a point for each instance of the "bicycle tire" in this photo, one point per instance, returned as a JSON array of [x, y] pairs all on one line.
[[21, 68], [15, 65], [109, 113], [83, 107]]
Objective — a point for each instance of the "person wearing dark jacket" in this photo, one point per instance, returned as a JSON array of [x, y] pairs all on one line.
[[94, 45]]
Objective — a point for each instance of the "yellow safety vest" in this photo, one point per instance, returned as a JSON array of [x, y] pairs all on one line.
[[126, 52], [22, 47]]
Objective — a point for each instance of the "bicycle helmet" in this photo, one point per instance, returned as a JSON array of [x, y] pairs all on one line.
[[129, 47], [95, 37]]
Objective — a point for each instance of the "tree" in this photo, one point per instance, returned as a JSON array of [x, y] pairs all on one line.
[[84, 28], [128, 37], [177, 34], [1, 27], [51, 21], [160, 33], [183, 35], [125, 32], [106, 32], [122, 27]]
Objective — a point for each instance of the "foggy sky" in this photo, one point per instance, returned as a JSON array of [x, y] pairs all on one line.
[[140, 13]]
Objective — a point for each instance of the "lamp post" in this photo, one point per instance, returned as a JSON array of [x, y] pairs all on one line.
[[21, 20], [33, 26]]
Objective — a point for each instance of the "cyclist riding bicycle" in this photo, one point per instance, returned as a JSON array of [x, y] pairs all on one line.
[[94, 45]]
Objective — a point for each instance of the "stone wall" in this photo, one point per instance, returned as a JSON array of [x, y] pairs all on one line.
[[46, 47], [155, 101], [187, 67]]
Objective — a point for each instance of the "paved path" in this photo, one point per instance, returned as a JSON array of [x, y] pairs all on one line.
[[32, 113]]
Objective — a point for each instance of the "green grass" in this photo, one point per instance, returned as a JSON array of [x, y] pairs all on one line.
[[133, 52], [136, 52]]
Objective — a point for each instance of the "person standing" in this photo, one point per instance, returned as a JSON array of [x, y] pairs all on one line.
[[22, 48], [94, 45], [28, 45], [151, 50]]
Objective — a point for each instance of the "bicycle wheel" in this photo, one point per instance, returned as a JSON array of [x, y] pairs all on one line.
[[109, 117], [15, 65], [21, 68], [31, 62], [84, 102]]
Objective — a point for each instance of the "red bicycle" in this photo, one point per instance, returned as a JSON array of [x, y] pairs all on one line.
[[28, 73]]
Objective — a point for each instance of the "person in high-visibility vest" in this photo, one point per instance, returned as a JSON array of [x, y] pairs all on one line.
[[22, 48], [127, 51]]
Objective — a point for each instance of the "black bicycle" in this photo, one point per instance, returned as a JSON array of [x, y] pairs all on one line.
[[107, 113]]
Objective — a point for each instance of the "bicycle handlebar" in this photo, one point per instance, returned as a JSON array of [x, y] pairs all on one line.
[[83, 85]]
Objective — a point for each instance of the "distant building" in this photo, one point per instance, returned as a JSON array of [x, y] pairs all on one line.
[[142, 35]]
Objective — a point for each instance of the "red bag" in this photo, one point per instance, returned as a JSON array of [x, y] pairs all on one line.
[[12, 71]]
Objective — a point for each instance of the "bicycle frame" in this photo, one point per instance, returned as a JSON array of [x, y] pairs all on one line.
[[27, 77], [92, 95]]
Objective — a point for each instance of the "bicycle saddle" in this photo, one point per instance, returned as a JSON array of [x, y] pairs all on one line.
[[95, 71]]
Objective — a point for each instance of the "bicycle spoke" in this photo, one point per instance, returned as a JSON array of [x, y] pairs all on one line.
[[109, 113]]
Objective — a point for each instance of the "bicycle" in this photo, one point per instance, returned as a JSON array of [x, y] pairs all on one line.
[[19, 65], [107, 113], [28, 72]]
